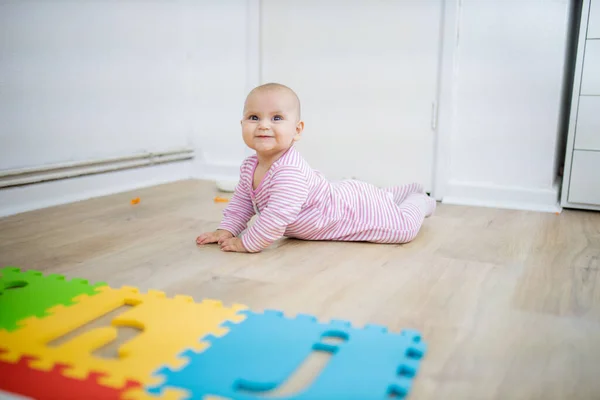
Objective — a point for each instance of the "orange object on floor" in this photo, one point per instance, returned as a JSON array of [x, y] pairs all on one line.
[[135, 201], [221, 199]]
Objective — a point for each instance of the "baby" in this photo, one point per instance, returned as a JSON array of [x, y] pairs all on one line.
[[293, 200]]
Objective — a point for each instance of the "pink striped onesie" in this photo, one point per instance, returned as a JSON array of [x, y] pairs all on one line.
[[293, 200]]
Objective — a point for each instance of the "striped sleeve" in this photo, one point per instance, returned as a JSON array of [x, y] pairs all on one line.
[[288, 192], [239, 211]]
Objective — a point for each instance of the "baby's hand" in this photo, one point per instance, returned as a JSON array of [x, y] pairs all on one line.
[[233, 244], [217, 236]]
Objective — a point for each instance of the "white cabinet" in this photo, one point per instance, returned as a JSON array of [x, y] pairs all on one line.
[[593, 31], [581, 181], [588, 124], [585, 177], [590, 81]]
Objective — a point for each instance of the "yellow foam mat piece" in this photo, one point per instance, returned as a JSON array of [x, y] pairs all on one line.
[[169, 326], [167, 394]]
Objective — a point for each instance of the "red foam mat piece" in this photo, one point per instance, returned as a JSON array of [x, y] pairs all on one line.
[[52, 385]]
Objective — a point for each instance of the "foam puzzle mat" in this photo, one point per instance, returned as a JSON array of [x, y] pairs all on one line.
[[185, 349]]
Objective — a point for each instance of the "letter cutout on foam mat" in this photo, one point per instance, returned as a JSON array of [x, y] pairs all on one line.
[[262, 352], [30, 294], [169, 325]]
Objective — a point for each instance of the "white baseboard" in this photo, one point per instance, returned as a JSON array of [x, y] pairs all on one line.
[[229, 173], [14, 200], [460, 193], [515, 198]]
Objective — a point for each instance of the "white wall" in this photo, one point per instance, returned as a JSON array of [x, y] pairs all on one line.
[[367, 91], [218, 40], [78, 76], [506, 92], [85, 80]]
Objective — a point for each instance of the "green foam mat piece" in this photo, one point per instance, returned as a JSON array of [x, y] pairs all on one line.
[[30, 293]]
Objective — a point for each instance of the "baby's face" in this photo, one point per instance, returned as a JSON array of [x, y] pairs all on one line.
[[270, 123]]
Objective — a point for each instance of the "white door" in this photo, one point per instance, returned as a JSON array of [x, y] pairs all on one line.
[[366, 73]]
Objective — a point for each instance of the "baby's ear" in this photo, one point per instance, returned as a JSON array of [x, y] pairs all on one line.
[[299, 127]]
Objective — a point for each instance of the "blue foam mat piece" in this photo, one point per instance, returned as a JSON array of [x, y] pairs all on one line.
[[262, 352]]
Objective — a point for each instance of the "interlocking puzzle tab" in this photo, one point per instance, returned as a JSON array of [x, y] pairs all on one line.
[[169, 325], [263, 351], [45, 385], [30, 293]]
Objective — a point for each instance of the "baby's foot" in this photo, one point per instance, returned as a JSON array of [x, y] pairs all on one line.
[[426, 204], [432, 206]]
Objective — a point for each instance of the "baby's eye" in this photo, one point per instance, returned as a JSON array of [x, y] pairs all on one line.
[[253, 118], [278, 118]]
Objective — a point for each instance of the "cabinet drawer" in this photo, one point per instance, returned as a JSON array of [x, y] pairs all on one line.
[[584, 186], [590, 81], [587, 129], [593, 31]]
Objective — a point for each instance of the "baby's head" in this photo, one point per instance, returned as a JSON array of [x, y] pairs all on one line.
[[271, 122]]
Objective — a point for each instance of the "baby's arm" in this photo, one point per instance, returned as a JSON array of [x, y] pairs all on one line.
[[288, 192], [239, 211], [236, 215]]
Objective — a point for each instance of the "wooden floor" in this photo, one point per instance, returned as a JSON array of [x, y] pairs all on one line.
[[507, 301]]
